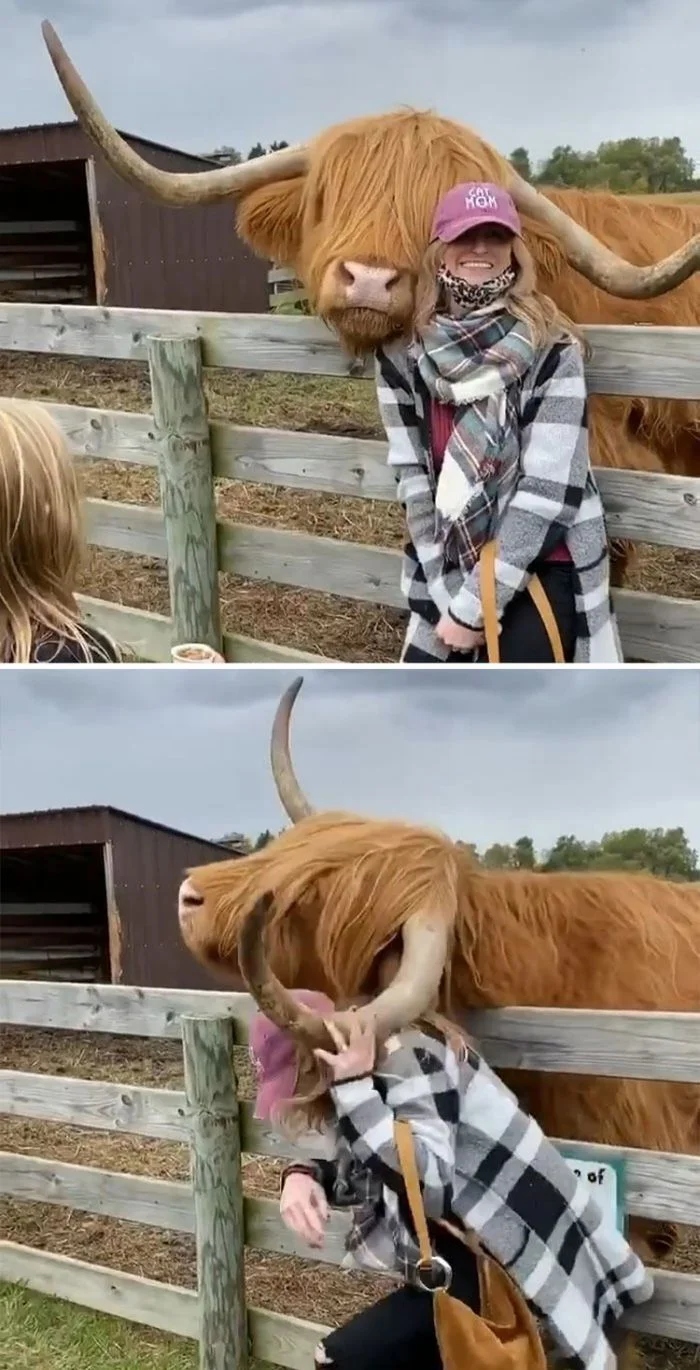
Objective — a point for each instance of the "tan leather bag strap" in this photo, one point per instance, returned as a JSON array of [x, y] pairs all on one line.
[[407, 1160], [541, 603], [487, 563]]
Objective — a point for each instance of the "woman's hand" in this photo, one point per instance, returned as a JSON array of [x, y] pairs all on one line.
[[304, 1208], [353, 1057], [457, 637]]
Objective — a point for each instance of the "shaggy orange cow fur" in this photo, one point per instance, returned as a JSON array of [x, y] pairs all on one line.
[[345, 886], [362, 193], [369, 195]]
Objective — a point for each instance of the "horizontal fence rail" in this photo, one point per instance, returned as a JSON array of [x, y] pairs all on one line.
[[639, 505], [653, 508], [628, 359], [660, 1186]]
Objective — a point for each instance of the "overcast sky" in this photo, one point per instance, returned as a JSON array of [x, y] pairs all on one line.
[[199, 73], [487, 756]]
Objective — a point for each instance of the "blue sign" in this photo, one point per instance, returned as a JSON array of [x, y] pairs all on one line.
[[605, 1178]]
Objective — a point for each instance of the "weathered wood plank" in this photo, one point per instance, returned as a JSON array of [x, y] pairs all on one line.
[[673, 1312], [149, 635], [125, 1010], [99, 1104], [106, 434], [187, 489], [641, 506], [652, 627], [133, 1198], [166, 1204], [659, 628], [635, 1045], [646, 507], [660, 1185], [148, 1302], [642, 1046], [628, 360], [277, 1339], [136, 528], [211, 1090], [674, 1309], [350, 569]]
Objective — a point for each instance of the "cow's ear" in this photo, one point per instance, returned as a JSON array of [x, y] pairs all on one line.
[[269, 220]]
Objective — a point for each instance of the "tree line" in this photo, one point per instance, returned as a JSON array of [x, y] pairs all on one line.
[[631, 166], [230, 156], [660, 851]]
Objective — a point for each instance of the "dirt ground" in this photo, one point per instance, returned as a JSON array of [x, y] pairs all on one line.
[[335, 627], [287, 1284]]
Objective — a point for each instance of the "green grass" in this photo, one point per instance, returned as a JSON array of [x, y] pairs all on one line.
[[39, 1333]]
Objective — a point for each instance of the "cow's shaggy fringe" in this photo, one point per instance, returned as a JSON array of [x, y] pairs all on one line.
[[370, 192], [345, 885]]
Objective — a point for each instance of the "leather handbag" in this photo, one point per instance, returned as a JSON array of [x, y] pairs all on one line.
[[504, 1335], [487, 563]]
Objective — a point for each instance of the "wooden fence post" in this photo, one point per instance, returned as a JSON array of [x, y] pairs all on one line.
[[187, 488], [212, 1099]]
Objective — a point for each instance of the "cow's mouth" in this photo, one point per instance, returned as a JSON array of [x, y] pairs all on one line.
[[362, 327]]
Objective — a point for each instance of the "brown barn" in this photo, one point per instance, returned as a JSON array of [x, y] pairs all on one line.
[[71, 232], [90, 894]]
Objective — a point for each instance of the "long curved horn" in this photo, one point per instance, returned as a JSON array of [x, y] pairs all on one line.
[[598, 263], [269, 994], [414, 987], [293, 799], [170, 187], [411, 991]]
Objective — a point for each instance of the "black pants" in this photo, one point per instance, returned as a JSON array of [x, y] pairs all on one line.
[[523, 635], [398, 1333]]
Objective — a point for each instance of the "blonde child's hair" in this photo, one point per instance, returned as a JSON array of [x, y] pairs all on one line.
[[41, 534]]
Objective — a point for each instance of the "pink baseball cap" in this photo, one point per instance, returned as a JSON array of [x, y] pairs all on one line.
[[470, 204], [274, 1054]]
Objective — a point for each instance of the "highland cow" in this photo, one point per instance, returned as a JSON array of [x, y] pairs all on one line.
[[399, 917], [351, 214]]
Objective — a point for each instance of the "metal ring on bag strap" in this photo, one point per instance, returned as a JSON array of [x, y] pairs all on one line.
[[433, 1264], [536, 590]]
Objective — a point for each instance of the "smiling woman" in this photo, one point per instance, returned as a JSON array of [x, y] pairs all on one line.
[[485, 412]]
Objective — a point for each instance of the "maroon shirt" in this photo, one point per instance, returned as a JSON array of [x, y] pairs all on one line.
[[441, 425]]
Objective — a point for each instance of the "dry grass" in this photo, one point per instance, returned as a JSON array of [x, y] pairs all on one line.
[[330, 625], [287, 1284]]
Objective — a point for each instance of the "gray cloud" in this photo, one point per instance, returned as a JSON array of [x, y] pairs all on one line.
[[487, 756], [234, 71]]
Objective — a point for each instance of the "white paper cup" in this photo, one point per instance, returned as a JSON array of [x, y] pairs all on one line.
[[195, 654]]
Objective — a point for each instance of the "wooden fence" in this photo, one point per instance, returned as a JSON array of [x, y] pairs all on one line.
[[189, 452], [637, 1045]]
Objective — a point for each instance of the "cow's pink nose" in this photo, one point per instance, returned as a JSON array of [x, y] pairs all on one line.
[[188, 900], [368, 286]]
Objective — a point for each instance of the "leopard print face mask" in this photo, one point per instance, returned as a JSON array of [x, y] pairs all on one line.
[[468, 296]]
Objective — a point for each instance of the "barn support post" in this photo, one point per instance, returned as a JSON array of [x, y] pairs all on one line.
[[187, 488], [217, 1184]]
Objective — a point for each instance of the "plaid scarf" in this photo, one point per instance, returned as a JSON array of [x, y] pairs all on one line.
[[476, 364]]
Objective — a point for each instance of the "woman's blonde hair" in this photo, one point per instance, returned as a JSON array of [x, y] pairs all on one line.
[[41, 534], [547, 321], [311, 1107]]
